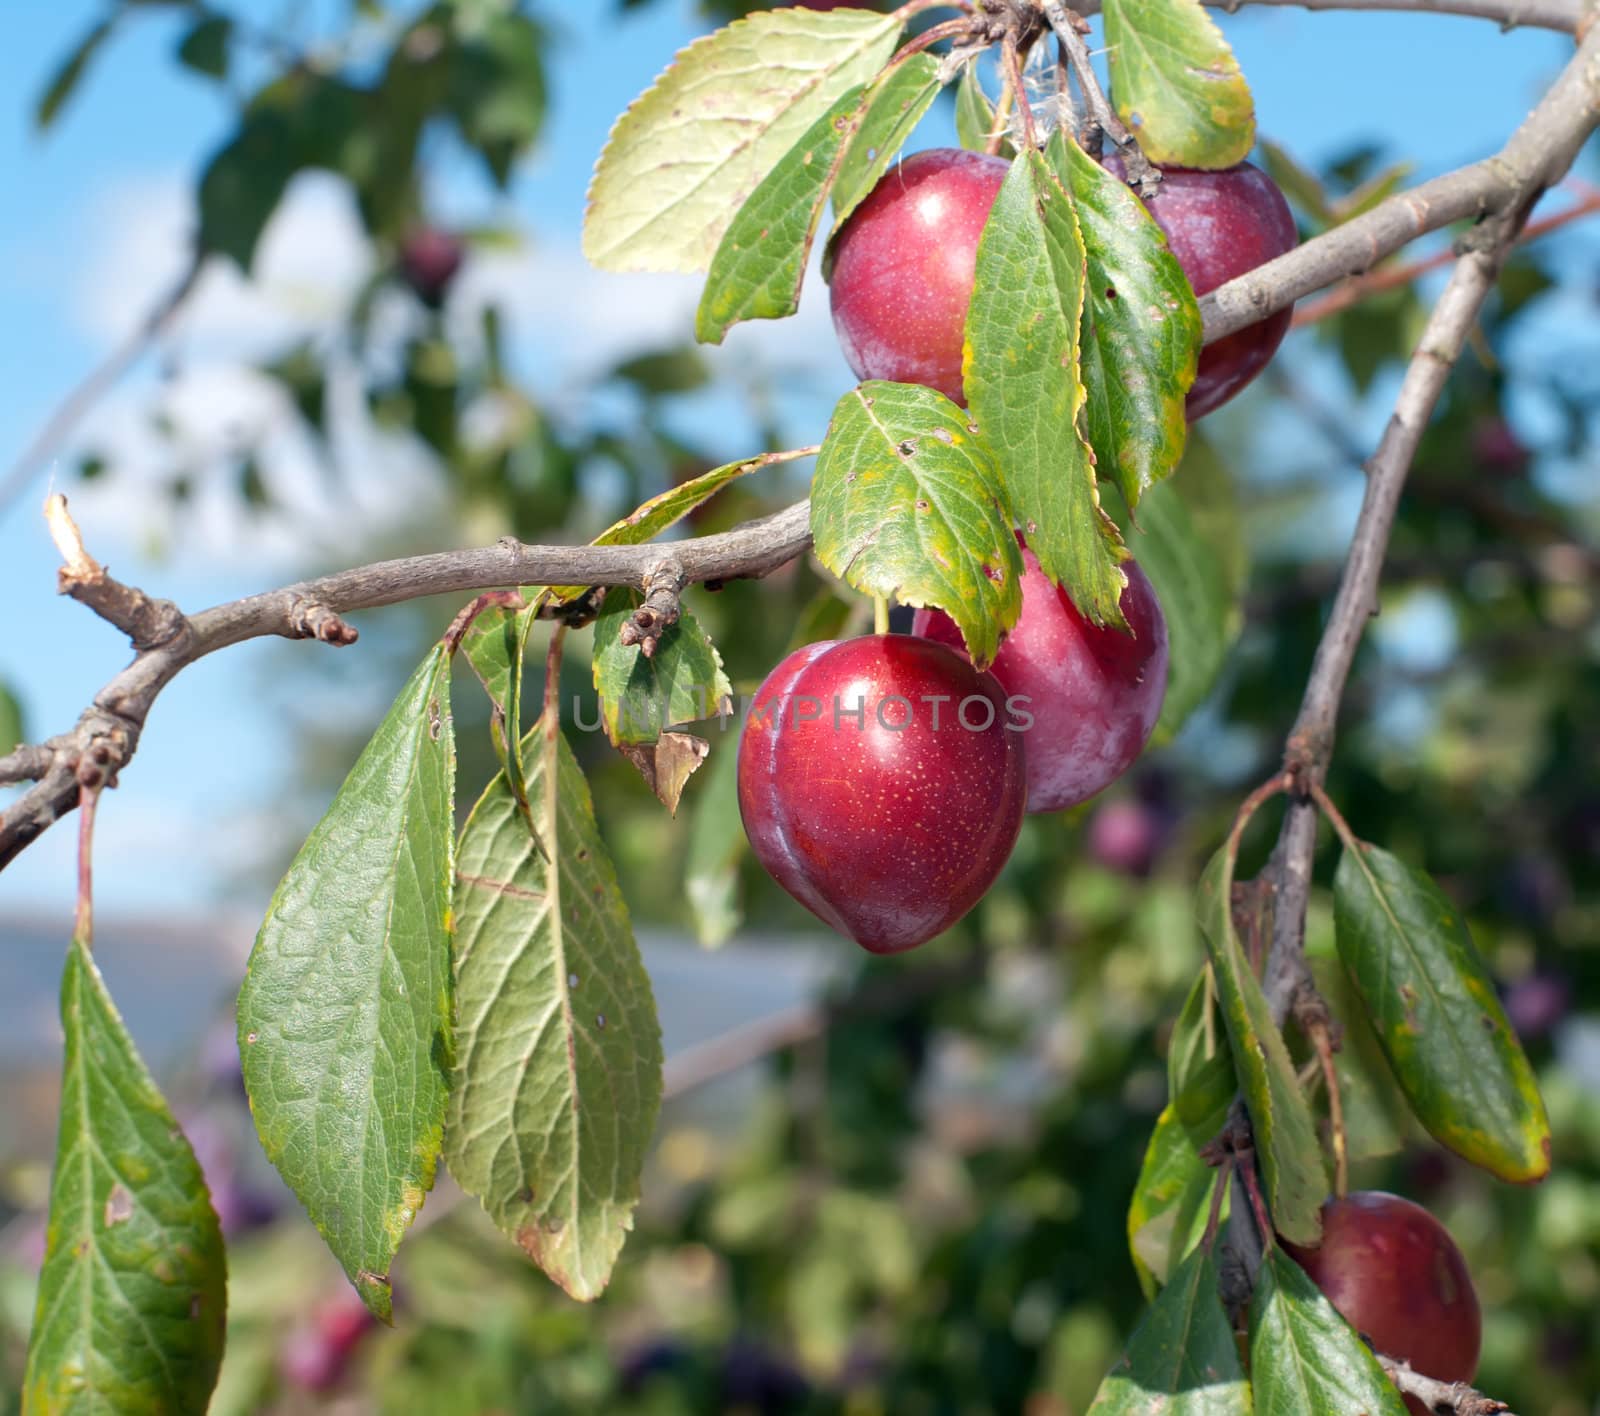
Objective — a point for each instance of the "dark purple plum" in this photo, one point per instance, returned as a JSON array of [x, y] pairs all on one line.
[[881, 785], [1094, 693], [1397, 1276], [903, 268]]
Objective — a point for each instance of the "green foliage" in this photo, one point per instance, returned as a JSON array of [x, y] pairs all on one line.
[[1201, 1079], [205, 48], [1436, 1014], [1181, 1361], [717, 844], [906, 502], [682, 682], [1188, 541], [683, 157], [345, 1017], [12, 723], [760, 262], [975, 115], [1304, 1357], [71, 71], [1141, 332], [1021, 373], [1171, 1203], [1285, 1135], [133, 1293], [1177, 84], [558, 1080], [895, 105]]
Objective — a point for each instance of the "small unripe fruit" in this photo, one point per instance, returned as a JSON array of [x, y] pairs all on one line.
[[429, 260], [1094, 693], [880, 785], [903, 268], [1397, 1276]]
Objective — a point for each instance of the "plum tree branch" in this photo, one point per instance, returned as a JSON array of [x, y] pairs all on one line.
[[1537, 155], [1502, 187], [1439, 1396]]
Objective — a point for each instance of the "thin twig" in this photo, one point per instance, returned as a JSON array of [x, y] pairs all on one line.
[[1002, 118], [1562, 15], [1321, 1038], [88, 802], [59, 426], [1011, 62], [1440, 1397], [1141, 174], [1363, 287]]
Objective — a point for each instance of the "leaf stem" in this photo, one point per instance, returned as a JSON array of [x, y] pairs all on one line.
[[1335, 816], [880, 614], [88, 805], [1002, 118], [1012, 62]]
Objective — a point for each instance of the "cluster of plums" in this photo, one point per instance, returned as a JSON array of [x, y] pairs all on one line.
[[883, 780]]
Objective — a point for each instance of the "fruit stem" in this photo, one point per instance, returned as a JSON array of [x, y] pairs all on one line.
[[1323, 1044], [880, 614]]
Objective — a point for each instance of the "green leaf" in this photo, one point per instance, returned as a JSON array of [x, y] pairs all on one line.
[[1171, 1203], [494, 645], [894, 106], [717, 844], [133, 1294], [1304, 1358], [1376, 1118], [1285, 1134], [1141, 332], [681, 161], [497, 90], [649, 520], [1177, 84], [205, 47], [760, 262], [906, 503], [1434, 1008], [12, 724], [1189, 542], [682, 682], [975, 115], [681, 369], [73, 67], [345, 1013], [1302, 187], [558, 1082], [1201, 1081], [243, 183], [1181, 1360], [1021, 378]]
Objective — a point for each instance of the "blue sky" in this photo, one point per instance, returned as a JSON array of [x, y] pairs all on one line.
[[82, 216]]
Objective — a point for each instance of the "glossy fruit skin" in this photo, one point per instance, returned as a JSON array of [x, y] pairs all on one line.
[[1094, 693], [1397, 1276], [903, 268], [1221, 225], [891, 831]]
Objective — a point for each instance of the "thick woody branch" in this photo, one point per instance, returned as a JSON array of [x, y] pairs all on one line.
[[1538, 155], [107, 734], [1442, 1398]]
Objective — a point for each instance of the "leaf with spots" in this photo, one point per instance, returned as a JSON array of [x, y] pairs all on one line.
[[1177, 84], [680, 162], [558, 1075], [1020, 369], [345, 1014], [133, 1294], [760, 262], [1181, 1360], [651, 518], [1285, 1134], [682, 682], [1304, 1357], [1171, 1203], [1141, 332], [894, 106], [1438, 1019], [906, 502]]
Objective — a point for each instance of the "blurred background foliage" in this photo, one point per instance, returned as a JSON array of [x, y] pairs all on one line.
[[912, 1200]]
